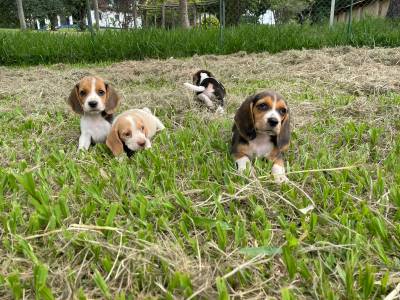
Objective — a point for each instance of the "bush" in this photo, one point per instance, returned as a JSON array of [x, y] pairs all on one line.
[[210, 21]]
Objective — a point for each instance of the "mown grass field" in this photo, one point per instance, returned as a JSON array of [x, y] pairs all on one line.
[[33, 48], [176, 221]]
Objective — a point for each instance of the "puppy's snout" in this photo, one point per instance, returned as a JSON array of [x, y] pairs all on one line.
[[92, 104], [141, 143], [273, 122]]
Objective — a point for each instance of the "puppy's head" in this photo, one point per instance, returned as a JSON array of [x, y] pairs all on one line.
[[264, 113], [128, 133], [200, 75], [93, 95]]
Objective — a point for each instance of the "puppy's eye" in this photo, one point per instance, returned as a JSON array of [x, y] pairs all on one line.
[[101, 92], [127, 134], [142, 128], [82, 93], [262, 106], [282, 111]]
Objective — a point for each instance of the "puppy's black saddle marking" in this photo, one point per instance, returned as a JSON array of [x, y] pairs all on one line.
[[219, 89]]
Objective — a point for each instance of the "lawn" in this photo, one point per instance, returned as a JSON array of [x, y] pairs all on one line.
[[177, 221]]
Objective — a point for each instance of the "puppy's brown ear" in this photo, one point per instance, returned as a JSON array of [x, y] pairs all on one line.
[[283, 138], [244, 119], [196, 77], [112, 100], [114, 142], [73, 100]]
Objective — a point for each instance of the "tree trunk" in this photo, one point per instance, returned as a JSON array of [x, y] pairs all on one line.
[[163, 15], [53, 22], [393, 10], [21, 15], [134, 8], [234, 11], [96, 13], [89, 15], [194, 15], [183, 11]]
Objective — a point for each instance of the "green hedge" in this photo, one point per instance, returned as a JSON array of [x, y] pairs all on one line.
[[31, 48]]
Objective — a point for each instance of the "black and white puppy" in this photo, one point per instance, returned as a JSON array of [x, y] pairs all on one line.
[[208, 90]]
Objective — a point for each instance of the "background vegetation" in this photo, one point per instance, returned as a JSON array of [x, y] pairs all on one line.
[[31, 48]]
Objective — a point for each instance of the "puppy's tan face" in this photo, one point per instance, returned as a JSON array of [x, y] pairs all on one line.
[[132, 132], [269, 113], [92, 94]]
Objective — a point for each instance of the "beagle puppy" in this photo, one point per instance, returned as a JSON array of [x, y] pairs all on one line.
[[96, 101], [208, 90], [262, 129], [132, 131]]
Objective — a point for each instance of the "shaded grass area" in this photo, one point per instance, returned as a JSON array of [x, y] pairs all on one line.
[[32, 48], [176, 221]]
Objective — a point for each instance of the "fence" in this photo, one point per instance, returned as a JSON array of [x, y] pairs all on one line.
[[170, 14]]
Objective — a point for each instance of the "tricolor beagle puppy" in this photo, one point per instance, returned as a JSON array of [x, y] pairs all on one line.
[[208, 90], [132, 131], [262, 129], [96, 101]]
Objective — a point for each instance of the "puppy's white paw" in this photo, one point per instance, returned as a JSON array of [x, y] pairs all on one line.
[[280, 178], [147, 145], [220, 110], [243, 164], [279, 174], [146, 109]]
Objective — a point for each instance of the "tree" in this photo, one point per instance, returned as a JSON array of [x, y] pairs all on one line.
[[393, 10], [183, 12], [134, 11], [286, 10], [77, 8], [236, 9], [21, 15], [41, 10], [96, 13], [8, 14]]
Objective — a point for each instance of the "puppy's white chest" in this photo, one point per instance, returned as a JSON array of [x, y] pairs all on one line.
[[96, 127], [261, 146]]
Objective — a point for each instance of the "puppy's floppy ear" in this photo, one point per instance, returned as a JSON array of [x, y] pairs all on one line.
[[283, 137], [73, 100], [112, 100], [244, 119], [114, 142], [196, 78]]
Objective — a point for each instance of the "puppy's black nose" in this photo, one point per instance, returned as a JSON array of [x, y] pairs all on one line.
[[92, 104], [142, 144], [273, 122]]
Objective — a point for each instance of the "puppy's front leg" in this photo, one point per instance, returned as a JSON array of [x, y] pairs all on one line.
[[147, 144], [160, 125], [278, 171], [242, 163], [84, 141], [206, 100]]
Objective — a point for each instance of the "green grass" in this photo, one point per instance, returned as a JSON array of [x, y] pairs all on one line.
[[177, 221], [32, 48]]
